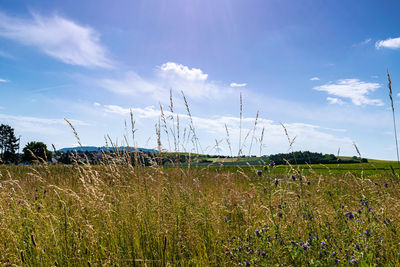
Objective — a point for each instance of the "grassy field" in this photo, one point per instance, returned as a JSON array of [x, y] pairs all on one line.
[[123, 215]]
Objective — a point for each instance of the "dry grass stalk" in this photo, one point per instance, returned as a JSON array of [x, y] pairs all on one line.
[[394, 118]]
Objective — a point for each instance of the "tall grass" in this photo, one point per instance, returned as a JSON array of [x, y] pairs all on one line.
[[120, 213]]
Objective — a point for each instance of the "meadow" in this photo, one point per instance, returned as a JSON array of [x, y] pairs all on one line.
[[122, 214]]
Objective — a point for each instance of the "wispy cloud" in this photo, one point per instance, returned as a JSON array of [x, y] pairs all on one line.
[[353, 89], [58, 37], [366, 41], [130, 83], [309, 137], [5, 55], [314, 79], [238, 84], [3, 80], [37, 124], [335, 100], [192, 81], [392, 43]]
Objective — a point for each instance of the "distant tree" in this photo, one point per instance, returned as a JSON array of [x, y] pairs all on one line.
[[39, 151], [9, 144]]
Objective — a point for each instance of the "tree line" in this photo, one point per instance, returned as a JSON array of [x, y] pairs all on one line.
[[10, 144], [303, 157]]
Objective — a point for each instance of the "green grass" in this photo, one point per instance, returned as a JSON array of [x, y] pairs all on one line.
[[130, 216]]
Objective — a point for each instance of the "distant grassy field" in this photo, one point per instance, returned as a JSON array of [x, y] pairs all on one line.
[[124, 215]]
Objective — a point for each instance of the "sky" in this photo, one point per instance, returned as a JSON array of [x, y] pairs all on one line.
[[316, 69]]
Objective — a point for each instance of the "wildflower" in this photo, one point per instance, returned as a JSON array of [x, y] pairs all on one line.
[[280, 214], [386, 222], [259, 172], [333, 254], [354, 261], [309, 215], [276, 181], [386, 184], [279, 206], [323, 244], [248, 263], [272, 163], [367, 233], [308, 183], [357, 247], [305, 246], [263, 253], [349, 215], [240, 248], [293, 178]]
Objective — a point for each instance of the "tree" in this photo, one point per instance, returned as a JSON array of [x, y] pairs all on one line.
[[9, 144], [39, 151]]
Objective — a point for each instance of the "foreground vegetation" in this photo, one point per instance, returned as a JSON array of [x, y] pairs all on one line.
[[129, 215]]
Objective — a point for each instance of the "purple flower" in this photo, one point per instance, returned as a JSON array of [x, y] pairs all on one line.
[[263, 253], [239, 248], [293, 178], [323, 244], [259, 172], [280, 214], [349, 215], [308, 183], [272, 163], [386, 184], [367, 233], [333, 254], [305, 246]]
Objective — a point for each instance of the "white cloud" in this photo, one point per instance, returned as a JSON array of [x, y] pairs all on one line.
[[238, 84], [171, 69], [96, 104], [314, 79], [309, 137], [57, 37], [334, 100], [392, 43], [3, 80], [354, 89]]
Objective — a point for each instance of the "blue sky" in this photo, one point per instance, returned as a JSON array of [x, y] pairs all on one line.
[[317, 67]]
